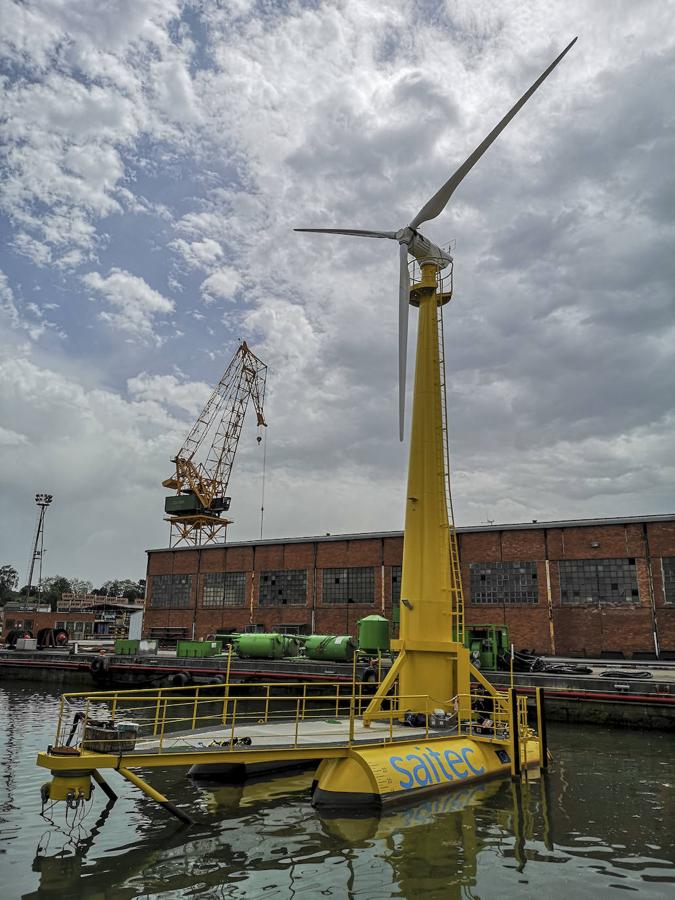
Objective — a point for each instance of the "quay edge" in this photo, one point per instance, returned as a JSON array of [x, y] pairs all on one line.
[[615, 701]]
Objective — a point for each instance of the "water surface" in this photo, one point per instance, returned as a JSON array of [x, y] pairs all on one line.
[[601, 824]]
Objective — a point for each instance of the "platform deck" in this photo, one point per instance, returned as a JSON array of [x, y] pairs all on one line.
[[281, 735]]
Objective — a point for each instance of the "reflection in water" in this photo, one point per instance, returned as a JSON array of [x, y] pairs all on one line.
[[600, 822]]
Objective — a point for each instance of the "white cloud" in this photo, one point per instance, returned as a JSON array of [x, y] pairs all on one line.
[[198, 254], [9, 438], [169, 391], [223, 283], [79, 443], [133, 304]]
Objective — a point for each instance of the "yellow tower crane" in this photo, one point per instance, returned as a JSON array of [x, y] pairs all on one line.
[[196, 511]]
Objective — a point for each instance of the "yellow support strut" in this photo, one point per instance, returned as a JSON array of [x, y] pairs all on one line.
[[154, 795]]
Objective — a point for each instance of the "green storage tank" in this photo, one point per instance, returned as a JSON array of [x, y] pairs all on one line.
[[374, 634], [263, 646], [126, 648], [334, 648], [198, 648]]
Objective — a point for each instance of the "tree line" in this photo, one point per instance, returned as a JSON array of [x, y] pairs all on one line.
[[51, 589]]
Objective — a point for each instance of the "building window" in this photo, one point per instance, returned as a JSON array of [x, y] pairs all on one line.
[[598, 581], [668, 569], [283, 588], [224, 589], [294, 628], [355, 585], [170, 590], [396, 585], [504, 582]]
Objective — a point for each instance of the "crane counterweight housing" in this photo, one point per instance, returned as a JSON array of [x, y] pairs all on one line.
[[201, 475]]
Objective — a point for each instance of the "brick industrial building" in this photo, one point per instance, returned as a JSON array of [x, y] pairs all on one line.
[[581, 587]]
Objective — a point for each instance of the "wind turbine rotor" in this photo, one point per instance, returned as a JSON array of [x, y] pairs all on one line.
[[411, 241]]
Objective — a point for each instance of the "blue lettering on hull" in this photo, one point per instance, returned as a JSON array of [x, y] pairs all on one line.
[[431, 767]]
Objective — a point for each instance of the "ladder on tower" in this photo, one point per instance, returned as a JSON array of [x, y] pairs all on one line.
[[457, 593]]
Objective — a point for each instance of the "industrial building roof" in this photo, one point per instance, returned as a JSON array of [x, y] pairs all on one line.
[[462, 529]]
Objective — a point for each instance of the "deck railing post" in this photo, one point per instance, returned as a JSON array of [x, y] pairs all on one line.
[[234, 719], [113, 708], [163, 725], [351, 721], [267, 704], [514, 730], [59, 727], [541, 729], [155, 726], [297, 721], [194, 708], [85, 720], [226, 695]]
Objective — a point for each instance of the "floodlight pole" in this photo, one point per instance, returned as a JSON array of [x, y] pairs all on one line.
[[43, 501]]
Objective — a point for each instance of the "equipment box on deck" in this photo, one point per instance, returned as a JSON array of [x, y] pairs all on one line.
[[110, 739]]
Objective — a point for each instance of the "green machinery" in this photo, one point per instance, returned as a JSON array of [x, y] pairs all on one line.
[[486, 643], [198, 648]]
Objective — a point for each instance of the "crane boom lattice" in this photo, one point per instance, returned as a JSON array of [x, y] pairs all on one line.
[[196, 510]]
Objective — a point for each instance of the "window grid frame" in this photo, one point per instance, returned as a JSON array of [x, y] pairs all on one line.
[[396, 575], [282, 587], [668, 579], [224, 590], [342, 584], [171, 591], [598, 582], [508, 582]]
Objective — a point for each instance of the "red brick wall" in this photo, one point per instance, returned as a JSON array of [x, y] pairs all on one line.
[[578, 629]]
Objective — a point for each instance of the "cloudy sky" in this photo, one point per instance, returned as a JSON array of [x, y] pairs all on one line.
[[156, 156]]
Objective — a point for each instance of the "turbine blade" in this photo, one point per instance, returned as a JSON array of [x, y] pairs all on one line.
[[439, 201], [403, 310], [353, 231]]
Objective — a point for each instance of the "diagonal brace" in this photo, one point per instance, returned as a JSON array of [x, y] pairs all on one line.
[[385, 686], [154, 795]]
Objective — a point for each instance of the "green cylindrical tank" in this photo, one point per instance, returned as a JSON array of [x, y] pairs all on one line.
[[335, 648], [291, 645], [374, 634], [262, 646]]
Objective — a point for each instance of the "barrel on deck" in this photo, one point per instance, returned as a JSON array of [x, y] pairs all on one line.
[[335, 648], [266, 646]]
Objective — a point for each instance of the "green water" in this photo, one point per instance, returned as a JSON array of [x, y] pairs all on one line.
[[601, 824]]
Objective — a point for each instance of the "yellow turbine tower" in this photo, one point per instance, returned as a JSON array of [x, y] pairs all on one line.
[[432, 663]]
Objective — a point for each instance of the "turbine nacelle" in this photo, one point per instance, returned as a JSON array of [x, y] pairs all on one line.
[[413, 243], [422, 249]]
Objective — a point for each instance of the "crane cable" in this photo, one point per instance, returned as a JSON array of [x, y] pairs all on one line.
[[262, 493]]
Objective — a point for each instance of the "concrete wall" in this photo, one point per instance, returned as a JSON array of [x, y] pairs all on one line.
[[545, 627]]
